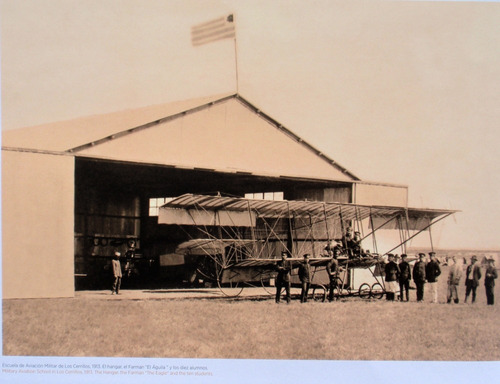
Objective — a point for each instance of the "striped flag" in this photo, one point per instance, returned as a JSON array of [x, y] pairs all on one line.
[[218, 29]]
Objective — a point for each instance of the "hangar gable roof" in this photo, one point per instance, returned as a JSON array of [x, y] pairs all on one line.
[[63, 135], [223, 133]]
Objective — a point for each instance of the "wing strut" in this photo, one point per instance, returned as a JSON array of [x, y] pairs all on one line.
[[423, 229]]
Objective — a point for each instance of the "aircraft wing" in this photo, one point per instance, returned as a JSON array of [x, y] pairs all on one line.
[[202, 210], [271, 263], [208, 246]]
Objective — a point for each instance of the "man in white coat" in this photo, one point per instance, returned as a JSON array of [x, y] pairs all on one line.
[[454, 276], [117, 273]]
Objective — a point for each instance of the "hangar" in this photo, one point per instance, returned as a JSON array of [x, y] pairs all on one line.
[[74, 191]]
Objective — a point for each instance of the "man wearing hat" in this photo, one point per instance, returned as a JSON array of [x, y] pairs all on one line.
[[117, 273], [355, 245], [473, 275], [391, 277], [454, 276], [419, 276], [432, 272], [283, 278], [347, 241], [489, 281], [332, 268], [305, 278], [404, 278]]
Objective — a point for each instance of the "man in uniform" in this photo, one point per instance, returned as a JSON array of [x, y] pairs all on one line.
[[391, 277], [305, 278], [283, 277], [419, 276], [332, 268], [432, 272], [404, 278], [489, 281], [472, 277]]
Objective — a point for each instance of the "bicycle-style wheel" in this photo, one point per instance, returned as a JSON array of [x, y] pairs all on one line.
[[364, 291], [228, 286], [319, 293], [377, 291]]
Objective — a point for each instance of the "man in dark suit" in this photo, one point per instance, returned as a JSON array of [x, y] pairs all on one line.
[[404, 278], [419, 276], [472, 277], [332, 268], [305, 278], [489, 281], [391, 277], [283, 278]]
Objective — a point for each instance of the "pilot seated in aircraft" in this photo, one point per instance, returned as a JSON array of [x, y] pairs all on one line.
[[331, 248], [347, 237], [354, 249]]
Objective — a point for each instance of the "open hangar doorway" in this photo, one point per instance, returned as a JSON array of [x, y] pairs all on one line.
[[116, 206]]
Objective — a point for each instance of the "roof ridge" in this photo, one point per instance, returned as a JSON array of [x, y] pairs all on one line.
[[297, 138], [242, 100], [150, 124]]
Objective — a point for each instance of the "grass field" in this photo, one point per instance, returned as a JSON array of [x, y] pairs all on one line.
[[351, 329]]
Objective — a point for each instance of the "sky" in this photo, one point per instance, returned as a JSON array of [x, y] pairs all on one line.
[[400, 92]]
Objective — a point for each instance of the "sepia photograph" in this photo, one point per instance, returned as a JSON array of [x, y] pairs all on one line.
[[211, 191]]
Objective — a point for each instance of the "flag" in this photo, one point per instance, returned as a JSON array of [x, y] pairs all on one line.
[[218, 29]]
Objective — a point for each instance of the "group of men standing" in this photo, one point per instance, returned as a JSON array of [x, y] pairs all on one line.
[[397, 276], [284, 268], [429, 272], [474, 275], [426, 273], [397, 273]]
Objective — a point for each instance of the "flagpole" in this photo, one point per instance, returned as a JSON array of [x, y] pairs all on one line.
[[236, 58]]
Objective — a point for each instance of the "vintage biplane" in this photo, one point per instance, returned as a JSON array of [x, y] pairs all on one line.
[[237, 242]]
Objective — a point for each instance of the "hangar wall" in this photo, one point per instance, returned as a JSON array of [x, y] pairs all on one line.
[[37, 225], [339, 194], [380, 194]]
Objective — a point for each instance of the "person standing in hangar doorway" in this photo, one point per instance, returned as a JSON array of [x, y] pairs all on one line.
[[129, 258], [117, 273]]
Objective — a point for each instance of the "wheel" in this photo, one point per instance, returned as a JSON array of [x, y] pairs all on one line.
[[230, 289], [319, 293], [264, 280], [339, 290], [364, 291], [377, 291]]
